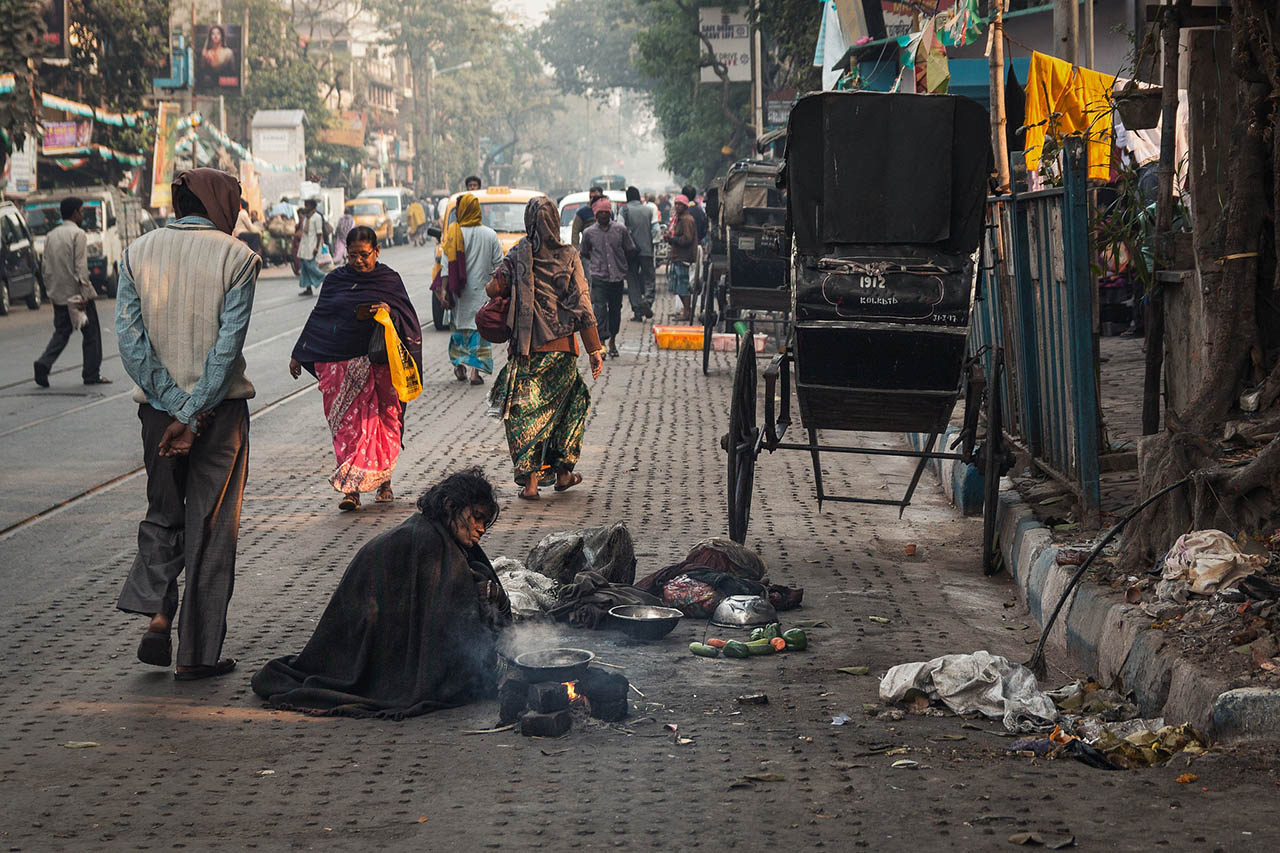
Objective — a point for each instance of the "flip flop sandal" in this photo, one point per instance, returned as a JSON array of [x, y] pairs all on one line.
[[384, 495], [349, 503], [156, 649], [479, 380], [222, 667], [522, 496], [460, 372], [573, 481]]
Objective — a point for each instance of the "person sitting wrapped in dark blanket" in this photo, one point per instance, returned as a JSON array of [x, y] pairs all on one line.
[[415, 622]]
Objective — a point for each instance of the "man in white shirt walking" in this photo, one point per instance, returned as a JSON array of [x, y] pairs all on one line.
[[309, 248], [65, 268]]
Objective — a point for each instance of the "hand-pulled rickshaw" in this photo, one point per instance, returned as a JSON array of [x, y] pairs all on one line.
[[753, 275], [885, 201]]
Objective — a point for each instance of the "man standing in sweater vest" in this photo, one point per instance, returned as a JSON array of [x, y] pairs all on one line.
[[182, 312]]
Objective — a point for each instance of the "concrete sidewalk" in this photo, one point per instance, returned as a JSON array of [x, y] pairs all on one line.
[[204, 765]]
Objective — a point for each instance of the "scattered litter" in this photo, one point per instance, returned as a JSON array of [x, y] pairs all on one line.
[[981, 681], [1049, 842], [840, 719], [948, 737], [904, 764], [754, 699], [80, 744], [910, 549], [891, 715], [1208, 560], [1187, 777], [671, 727], [879, 619], [811, 623], [1149, 748], [684, 740], [553, 752], [488, 731], [855, 670], [266, 772], [422, 819]]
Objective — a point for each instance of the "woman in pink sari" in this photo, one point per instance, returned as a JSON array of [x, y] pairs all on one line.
[[364, 412]]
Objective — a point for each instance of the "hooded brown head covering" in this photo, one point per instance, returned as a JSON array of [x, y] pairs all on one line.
[[218, 191], [551, 295]]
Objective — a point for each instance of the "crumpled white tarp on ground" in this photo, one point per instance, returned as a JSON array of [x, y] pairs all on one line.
[[1208, 561], [982, 682]]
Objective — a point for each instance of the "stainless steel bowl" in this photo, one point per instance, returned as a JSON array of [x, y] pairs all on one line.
[[744, 611], [645, 621]]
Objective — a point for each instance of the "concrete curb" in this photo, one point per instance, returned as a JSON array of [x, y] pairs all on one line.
[[1113, 641], [961, 483]]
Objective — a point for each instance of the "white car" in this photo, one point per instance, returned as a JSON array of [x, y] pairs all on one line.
[[397, 201], [569, 206]]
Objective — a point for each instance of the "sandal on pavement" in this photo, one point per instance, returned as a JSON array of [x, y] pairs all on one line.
[[196, 673], [385, 495], [460, 372], [349, 502], [479, 380], [156, 648], [533, 497], [573, 481]]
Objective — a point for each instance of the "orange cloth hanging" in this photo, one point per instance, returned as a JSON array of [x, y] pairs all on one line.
[[1080, 96]]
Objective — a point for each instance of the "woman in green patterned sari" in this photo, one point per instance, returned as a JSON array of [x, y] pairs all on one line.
[[539, 394]]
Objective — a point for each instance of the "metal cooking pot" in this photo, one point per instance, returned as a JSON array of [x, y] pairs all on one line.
[[744, 611], [554, 664], [645, 621]]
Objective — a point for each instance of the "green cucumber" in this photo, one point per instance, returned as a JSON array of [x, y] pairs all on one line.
[[761, 647], [736, 649], [704, 650]]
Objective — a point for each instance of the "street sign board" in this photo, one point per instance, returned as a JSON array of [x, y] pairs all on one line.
[[730, 33]]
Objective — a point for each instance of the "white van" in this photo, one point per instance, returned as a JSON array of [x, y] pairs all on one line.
[[112, 221], [397, 201], [569, 206]]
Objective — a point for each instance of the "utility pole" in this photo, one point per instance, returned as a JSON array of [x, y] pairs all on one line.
[[1066, 30], [757, 75], [999, 122]]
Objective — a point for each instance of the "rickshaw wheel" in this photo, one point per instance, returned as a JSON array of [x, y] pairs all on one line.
[[742, 442], [708, 326], [992, 457]]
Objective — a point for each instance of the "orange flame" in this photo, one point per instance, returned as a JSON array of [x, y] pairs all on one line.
[[573, 694]]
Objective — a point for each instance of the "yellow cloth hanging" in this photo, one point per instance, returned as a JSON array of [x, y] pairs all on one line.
[[1080, 95]]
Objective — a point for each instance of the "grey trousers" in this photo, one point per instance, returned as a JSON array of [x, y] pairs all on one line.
[[192, 523]]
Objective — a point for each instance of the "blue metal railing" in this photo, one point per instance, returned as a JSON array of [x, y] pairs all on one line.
[[1038, 303]]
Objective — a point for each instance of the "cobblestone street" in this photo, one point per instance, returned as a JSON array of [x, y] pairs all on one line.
[[205, 765]]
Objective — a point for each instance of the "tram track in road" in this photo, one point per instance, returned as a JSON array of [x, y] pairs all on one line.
[[72, 368], [109, 484], [118, 395]]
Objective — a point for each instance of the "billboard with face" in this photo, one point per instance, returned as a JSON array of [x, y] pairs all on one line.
[[219, 49]]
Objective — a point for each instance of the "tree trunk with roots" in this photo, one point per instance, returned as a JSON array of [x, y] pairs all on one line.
[[1235, 481]]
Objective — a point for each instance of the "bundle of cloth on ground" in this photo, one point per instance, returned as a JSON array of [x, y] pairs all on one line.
[[981, 682], [713, 570]]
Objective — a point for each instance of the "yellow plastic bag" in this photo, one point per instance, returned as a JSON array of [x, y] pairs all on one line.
[[404, 373]]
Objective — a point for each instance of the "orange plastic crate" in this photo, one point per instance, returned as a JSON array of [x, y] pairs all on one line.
[[678, 337]]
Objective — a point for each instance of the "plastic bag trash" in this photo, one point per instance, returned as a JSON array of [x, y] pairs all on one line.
[[608, 550], [1209, 560], [982, 682], [840, 719], [530, 593]]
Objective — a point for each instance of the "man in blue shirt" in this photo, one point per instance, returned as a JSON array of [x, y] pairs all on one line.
[[182, 313]]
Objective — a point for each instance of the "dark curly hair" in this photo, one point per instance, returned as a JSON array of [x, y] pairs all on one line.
[[460, 491]]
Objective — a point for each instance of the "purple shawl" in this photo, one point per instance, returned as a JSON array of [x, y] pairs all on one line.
[[333, 333]]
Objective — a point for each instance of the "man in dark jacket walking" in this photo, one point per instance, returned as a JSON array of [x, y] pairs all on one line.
[[638, 217]]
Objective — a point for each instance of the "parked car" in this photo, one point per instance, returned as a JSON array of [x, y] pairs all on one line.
[[112, 220], [397, 201], [373, 213], [502, 209], [19, 267]]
